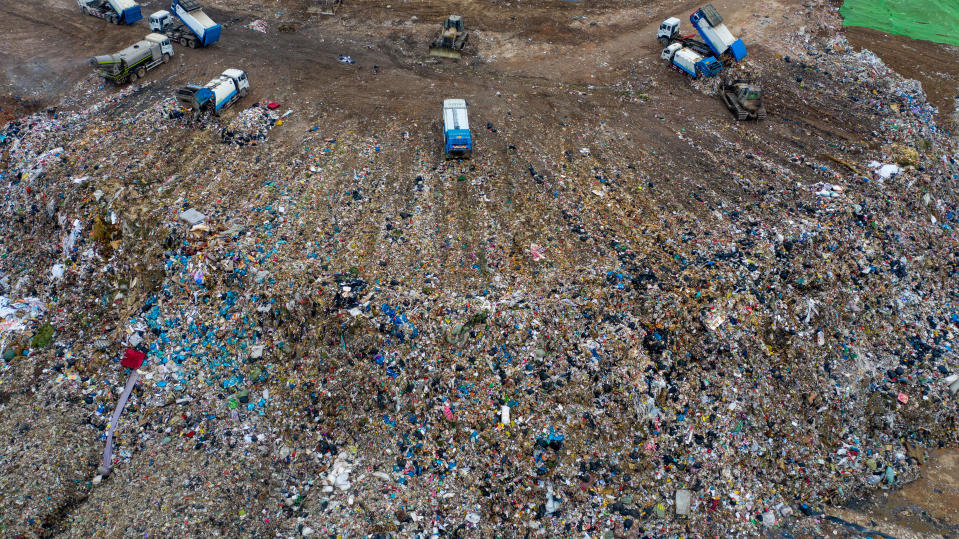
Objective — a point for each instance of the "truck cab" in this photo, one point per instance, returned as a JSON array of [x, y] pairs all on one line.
[[670, 51], [239, 79], [160, 21], [161, 42], [457, 141], [668, 30], [227, 88]]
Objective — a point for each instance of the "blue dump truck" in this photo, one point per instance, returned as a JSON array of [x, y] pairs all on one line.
[[456, 129], [115, 11], [187, 24], [709, 23], [215, 95], [690, 62]]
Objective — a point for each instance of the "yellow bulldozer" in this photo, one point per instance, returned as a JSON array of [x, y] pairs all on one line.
[[450, 42]]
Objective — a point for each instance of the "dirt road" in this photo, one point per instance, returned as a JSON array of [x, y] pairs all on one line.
[[548, 45]]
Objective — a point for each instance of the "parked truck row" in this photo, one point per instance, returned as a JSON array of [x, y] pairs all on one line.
[[185, 22]]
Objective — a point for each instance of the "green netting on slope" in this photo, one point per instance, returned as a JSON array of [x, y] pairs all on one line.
[[929, 20]]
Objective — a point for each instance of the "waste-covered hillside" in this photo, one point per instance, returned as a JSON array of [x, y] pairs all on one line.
[[626, 315]]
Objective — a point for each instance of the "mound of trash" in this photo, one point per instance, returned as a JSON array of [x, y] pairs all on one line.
[[250, 125]]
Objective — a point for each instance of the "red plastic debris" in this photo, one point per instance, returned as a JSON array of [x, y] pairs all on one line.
[[272, 106], [133, 359]]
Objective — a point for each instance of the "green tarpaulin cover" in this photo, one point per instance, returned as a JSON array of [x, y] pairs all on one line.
[[929, 20]]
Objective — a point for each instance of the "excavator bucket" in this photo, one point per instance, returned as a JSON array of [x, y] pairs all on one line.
[[444, 52]]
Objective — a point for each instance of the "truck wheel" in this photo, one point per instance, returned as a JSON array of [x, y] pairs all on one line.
[[664, 41], [141, 72], [192, 43], [166, 58], [243, 92], [183, 41], [132, 77]]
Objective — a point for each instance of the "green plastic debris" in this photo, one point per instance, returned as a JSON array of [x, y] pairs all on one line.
[[42, 337], [478, 318]]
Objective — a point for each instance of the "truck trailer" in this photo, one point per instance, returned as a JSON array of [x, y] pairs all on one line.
[[133, 62], [215, 95], [456, 129], [115, 11], [690, 62], [187, 24], [709, 23]]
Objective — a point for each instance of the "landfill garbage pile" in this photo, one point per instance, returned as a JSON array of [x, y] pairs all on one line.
[[249, 126], [259, 25], [347, 335], [166, 109]]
